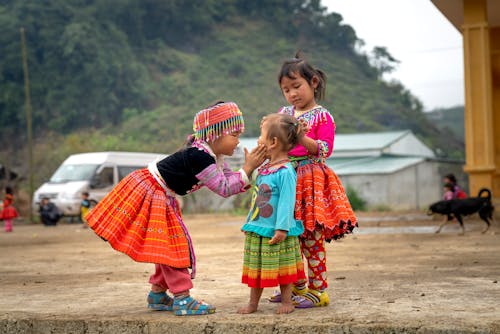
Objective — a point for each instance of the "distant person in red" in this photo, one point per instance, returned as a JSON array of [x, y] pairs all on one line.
[[457, 191], [8, 212]]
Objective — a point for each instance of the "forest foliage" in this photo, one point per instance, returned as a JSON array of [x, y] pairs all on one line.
[[449, 120], [130, 74]]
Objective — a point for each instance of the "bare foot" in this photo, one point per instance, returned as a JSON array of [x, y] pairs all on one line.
[[285, 308], [248, 309]]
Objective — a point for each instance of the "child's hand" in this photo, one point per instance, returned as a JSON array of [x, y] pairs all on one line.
[[256, 157], [303, 128], [279, 236]]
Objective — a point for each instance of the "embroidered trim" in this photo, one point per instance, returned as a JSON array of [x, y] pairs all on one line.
[[203, 146], [322, 152], [312, 117], [218, 120], [267, 168]]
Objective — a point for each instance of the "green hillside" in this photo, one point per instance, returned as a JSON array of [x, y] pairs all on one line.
[[449, 120], [130, 75]]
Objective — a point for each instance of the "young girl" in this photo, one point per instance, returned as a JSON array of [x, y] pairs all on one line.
[[8, 212], [457, 190], [321, 202], [448, 192], [141, 217], [272, 254]]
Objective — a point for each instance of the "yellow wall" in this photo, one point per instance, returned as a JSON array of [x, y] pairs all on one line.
[[495, 65], [482, 98]]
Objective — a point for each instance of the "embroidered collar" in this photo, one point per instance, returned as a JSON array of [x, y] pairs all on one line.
[[202, 145], [302, 112], [318, 114], [291, 110], [267, 169]]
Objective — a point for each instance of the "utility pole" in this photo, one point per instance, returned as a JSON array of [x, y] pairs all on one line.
[[28, 121]]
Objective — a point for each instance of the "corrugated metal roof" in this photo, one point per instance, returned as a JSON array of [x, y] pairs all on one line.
[[351, 142], [353, 165], [367, 141], [371, 165]]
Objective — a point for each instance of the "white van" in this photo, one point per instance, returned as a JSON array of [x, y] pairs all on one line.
[[96, 173]]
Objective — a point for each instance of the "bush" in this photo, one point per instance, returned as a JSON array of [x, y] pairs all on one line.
[[357, 202]]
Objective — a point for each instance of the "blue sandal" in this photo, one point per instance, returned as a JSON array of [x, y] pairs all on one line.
[[187, 305], [160, 301]]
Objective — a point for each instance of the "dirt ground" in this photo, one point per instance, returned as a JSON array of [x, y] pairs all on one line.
[[394, 274]]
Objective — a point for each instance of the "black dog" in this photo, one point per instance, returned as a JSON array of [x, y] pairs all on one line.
[[463, 207]]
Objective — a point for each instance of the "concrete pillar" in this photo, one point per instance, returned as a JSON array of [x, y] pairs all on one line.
[[480, 145], [495, 65]]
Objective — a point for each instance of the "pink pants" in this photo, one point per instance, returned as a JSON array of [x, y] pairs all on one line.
[[8, 225], [173, 279]]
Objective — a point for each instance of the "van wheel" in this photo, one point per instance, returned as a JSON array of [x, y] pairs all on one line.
[[93, 203]]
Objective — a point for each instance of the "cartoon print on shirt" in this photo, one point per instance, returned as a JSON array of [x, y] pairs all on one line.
[[260, 202]]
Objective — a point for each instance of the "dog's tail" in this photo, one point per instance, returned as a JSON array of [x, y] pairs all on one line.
[[484, 190]]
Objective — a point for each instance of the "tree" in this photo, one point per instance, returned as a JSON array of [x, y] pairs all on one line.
[[383, 61]]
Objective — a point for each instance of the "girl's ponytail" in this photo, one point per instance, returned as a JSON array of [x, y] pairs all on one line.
[[319, 92], [189, 141]]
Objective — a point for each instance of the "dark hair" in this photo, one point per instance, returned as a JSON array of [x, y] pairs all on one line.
[[299, 66], [85, 193], [452, 178], [449, 186], [215, 103], [188, 142], [285, 128], [9, 190]]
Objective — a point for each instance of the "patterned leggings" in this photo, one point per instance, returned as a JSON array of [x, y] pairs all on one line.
[[313, 248]]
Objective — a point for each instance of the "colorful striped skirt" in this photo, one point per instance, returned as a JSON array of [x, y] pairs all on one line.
[[140, 220], [267, 265], [321, 199]]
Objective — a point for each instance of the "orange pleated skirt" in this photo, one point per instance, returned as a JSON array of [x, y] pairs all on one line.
[[321, 201], [140, 220]]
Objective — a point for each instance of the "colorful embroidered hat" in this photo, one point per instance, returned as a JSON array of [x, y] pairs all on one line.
[[220, 119]]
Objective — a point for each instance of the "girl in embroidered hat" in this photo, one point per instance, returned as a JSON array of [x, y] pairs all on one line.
[[141, 216], [217, 120]]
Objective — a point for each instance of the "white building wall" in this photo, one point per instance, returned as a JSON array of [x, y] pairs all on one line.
[[429, 184], [402, 192], [412, 188], [371, 188], [409, 145]]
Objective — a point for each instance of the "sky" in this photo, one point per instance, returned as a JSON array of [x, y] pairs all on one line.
[[414, 32]]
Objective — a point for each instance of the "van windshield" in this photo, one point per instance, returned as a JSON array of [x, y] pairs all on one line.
[[66, 173]]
